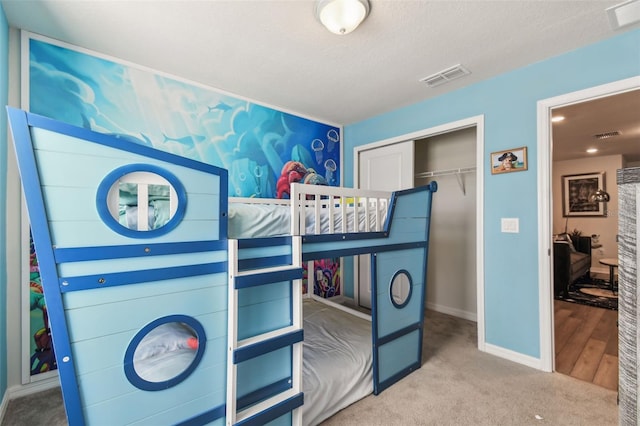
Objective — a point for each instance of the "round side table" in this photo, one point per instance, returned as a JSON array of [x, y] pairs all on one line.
[[611, 263]]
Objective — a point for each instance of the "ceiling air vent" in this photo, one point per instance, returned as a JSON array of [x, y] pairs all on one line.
[[607, 135], [445, 76]]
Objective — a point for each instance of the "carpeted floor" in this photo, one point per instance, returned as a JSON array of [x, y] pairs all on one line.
[[592, 292], [457, 385]]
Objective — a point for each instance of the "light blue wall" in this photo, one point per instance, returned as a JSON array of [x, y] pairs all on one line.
[[508, 103], [4, 83]]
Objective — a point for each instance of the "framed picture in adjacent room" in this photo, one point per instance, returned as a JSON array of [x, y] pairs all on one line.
[[511, 160], [577, 194]]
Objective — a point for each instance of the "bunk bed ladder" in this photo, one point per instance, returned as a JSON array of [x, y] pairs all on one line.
[[278, 399]]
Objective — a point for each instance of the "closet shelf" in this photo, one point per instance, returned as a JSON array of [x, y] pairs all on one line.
[[458, 172]]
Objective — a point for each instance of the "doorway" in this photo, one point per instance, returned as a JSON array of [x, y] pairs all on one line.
[[551, 209], [476, 127]]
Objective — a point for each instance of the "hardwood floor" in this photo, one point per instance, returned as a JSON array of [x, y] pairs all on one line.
[[586, 343]]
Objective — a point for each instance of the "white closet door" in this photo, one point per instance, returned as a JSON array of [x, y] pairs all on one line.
[[387, 168]]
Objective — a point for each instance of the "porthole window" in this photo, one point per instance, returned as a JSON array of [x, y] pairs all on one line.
[[400, 289], [141, 201], [164, 352]]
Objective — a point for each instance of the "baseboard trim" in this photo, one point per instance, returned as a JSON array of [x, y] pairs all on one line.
[[33, 387], [471, 316], [514, 356], [19, 391]]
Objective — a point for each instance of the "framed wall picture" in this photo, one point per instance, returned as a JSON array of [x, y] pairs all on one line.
[[577, 192], [512, 160]]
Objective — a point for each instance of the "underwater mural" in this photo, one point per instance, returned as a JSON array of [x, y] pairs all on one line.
[[40, 347], [264, 149], [254, 143]]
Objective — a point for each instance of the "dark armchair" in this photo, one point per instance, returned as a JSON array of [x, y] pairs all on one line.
[[571, 260]]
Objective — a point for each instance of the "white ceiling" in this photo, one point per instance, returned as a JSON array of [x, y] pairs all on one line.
[[276, 52]]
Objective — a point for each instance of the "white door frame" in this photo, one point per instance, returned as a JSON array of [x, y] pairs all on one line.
[[545, 203], [478, 123]]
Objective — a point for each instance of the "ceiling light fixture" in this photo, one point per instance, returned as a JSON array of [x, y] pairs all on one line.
[[342, 16], [557, 118], [592, 150]]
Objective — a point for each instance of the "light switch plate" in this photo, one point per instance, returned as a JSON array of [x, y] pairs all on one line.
[[510, 224]]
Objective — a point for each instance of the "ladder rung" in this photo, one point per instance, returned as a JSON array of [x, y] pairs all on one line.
[[270, 409], [262, 276], [267, 342], [264, 262], [267, 270]]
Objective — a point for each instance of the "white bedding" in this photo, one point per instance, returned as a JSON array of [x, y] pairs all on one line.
[[337, 361], [249, 220]]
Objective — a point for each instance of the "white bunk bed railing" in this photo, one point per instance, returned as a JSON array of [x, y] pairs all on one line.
[[337, 210]]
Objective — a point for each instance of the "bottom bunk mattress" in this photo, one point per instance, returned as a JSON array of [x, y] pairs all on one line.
[[337, 361]]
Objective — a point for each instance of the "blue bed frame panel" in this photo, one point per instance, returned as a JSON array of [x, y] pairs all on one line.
[[103, 288], [403, 246]]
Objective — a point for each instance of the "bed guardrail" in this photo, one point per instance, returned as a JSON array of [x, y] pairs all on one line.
[[340, 210]]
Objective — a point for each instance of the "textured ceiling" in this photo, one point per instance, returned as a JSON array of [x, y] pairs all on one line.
[[277, 53]]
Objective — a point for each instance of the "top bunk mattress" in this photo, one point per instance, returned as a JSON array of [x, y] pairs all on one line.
[[254, 220]]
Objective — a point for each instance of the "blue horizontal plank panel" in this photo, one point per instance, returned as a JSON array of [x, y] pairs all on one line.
[[91, 356], [262, 309], [75, 300], [108, 383], [140, 263], [263, 317], [264, 293], [264, 370], [399, 354], [388, 263], [65, 150], [135, 313], [194, 248], [69, 234], [147, 409], [86, 282]]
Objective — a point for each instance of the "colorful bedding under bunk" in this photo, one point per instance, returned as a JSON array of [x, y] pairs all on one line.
[[233, 307]]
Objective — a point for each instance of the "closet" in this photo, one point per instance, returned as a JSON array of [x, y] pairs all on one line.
[[450, 160]]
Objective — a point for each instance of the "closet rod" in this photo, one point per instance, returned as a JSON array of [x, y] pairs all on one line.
[[446, 172]]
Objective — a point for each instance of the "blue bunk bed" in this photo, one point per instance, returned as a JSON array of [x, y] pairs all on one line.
[[164, 319]]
